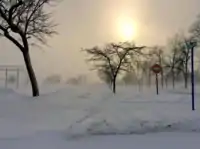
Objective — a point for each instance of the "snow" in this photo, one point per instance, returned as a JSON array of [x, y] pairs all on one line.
[[150, 141], [92, 117]]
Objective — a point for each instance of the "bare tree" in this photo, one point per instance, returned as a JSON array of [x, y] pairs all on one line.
[[184, 60], [172, 61], [114, 58], [183, 52], [195, 30], [24, 22], [140, 69]]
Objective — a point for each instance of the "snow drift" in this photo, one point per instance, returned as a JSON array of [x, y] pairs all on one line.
[[93, 110]]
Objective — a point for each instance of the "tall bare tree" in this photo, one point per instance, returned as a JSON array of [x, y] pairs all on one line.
[[114, 58], [195, 30], [24, 22], [172, 61], [184, 58], [183, 54]]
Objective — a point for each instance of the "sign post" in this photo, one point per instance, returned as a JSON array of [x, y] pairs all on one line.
[[156, 68], [157, 91]]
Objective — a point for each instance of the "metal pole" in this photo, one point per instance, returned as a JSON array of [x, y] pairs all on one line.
[[192, 78], [157, 84]]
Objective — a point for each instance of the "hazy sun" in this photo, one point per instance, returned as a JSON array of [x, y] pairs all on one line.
[[126, 28]]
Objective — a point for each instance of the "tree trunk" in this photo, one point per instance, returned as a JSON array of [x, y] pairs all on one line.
[[149, 79], [162, 73], [114, 85], [31, 74], [173, 79], [186, 80], [157, 86], [166, 82], [186, 75], [162, 79]]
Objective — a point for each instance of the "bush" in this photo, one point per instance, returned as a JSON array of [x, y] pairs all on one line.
[[53, 79]]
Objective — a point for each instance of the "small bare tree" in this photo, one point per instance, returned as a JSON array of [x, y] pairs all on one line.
[[114, 58], [23, 22]]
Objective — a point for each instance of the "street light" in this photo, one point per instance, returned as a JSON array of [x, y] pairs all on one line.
[[191, 45]]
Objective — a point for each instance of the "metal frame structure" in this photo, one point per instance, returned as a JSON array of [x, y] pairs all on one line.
[[11, 68]]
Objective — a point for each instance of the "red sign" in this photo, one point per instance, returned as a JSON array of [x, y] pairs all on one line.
[[156, 68]]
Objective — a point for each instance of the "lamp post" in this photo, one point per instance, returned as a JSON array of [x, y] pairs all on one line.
[[191, 45]]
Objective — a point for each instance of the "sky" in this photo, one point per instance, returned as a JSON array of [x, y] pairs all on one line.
[[86, 23]]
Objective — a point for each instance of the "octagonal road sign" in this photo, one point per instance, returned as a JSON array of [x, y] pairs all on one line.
[[156, 68]]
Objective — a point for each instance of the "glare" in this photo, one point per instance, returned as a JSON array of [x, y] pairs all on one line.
[[126, 28]]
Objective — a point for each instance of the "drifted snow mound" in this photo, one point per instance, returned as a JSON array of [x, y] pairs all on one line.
[[132, 113], [93, 110], [98, 126]]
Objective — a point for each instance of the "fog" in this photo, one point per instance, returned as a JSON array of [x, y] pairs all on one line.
[[86, 23]]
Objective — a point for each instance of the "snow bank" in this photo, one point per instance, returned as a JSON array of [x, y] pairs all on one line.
[[130, 112], [94, 110], [101, 126]]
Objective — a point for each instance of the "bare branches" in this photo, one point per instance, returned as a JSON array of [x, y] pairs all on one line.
[[195, 29], [6, 34], [27, 18], [177, 61], [22, 21], [12, 10], [112, 59]]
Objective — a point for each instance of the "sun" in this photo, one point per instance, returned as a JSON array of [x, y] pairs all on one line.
[[126, 29]]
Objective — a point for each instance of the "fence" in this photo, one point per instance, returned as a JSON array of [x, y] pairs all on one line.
[[6, 70]]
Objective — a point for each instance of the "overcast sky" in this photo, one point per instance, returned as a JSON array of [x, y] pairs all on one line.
[[85, 23]]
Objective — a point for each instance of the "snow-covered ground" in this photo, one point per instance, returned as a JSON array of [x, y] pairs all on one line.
[[91, 117]]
